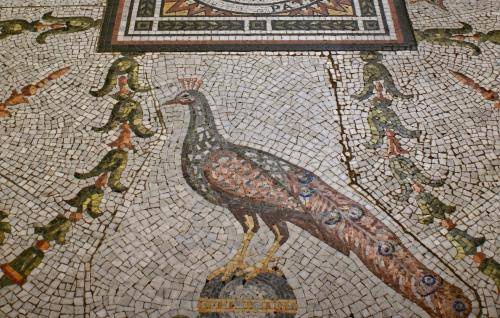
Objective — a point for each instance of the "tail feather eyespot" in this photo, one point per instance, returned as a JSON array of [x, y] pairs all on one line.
[[355, 213], [385, 248], [427, 283]]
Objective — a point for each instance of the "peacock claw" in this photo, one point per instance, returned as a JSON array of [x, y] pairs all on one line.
[[260, 268], [235, 267]]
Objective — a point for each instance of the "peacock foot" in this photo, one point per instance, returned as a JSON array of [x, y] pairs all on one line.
[[237, 264], [261, 267], [235, 267]]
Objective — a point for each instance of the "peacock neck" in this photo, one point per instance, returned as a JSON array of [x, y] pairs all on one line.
[[202, 135], [201, 139]]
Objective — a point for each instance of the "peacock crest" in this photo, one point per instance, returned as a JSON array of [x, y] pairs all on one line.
[[191, 83]]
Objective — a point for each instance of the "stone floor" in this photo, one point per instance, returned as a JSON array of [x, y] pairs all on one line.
[[374, 176]]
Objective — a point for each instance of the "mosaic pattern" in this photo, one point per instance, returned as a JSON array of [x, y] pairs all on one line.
[[264, 184], [218, 25]]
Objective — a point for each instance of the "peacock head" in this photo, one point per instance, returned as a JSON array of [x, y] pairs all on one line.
[[189, 93]]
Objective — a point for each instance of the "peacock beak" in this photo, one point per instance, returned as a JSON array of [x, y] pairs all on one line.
[[179, 101], [172, 102]]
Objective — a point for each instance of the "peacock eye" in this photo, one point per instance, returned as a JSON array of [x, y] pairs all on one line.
[[429, 280], [459, 306]]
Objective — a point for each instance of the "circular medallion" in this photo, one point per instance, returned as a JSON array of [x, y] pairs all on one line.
[[258, 7]]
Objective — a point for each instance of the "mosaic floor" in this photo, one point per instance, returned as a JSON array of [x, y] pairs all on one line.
[[259, 184]]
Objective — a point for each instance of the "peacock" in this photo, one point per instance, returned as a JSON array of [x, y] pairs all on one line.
[[255, 184]]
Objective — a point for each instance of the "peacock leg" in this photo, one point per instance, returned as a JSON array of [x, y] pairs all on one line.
[[238, 263], [280, 236]]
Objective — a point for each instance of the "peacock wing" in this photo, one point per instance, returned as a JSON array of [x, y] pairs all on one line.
[[270, 183], [233, 175]]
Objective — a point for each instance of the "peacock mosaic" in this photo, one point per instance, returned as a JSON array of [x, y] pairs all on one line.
[[264, 184]]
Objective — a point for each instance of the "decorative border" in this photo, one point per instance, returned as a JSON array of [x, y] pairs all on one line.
[[238, 14], [355, 21], [108, 41]]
